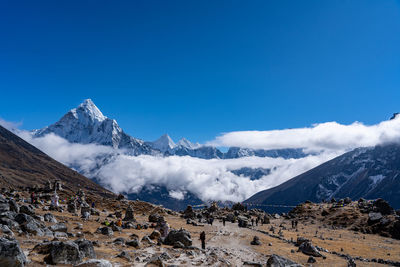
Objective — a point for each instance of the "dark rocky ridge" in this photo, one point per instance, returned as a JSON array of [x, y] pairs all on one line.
[[23, 165], [368, 173]]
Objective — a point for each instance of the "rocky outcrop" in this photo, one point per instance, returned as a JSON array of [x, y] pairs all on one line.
[[182, 236], [11, 255], [279, 261]]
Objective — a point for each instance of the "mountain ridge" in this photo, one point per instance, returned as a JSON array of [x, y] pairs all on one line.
[[369, 173]]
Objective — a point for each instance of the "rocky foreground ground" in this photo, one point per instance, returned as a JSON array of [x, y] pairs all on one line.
[[343, 233]]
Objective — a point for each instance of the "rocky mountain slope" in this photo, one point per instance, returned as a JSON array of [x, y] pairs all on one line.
[[368, 173], [22, 164]]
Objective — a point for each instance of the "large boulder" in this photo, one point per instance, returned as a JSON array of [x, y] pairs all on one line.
[[155, 235], [279, 261], [9, 222], [181, 235], [33, 227], [64, 253], [255, 241], [27, 209], [59, 227], [308, 249], [22, 218], [11, 254], [105, 231], [189, 213], [155, 217], [383, 207], [374, 217], [86, 247], [13, 206], [243, 221], [48, 217], [4, 207], [6, 230]]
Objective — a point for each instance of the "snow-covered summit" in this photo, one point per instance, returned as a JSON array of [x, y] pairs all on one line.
[[164, 143], [86, 125], [187, 144], [88, 109]]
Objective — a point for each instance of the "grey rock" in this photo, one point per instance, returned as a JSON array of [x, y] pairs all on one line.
[[311, 259], [59, 227], [133, 243], [11, 254], [86, 248], [64, 253], [13, 206], [279, 261], [308, 249], [155, 218], [255, 241], [178, 244], [374, 217], [119, 241], [48, 217], [106, 231], [4, 207], [95, 263], [60, 234], [124, 255], [182, 236], [27, 209], [6, 230]]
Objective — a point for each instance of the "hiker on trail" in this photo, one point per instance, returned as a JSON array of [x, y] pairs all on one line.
[[252, 221], [33, 198], [292, 224], [119, 222], [223, 221], [203, 240], [257, 219], [93, 205]]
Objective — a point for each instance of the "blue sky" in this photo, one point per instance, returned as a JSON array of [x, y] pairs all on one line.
[[199, 68]]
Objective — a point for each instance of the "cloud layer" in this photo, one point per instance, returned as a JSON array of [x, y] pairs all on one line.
[[323, 136], [213, 179], [207, 179]]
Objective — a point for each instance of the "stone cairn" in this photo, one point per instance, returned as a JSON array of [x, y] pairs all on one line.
[[129, 216]]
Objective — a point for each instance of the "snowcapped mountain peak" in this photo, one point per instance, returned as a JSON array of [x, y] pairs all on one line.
[[86, 124], [90, 110], [187, 144], [164, 143]]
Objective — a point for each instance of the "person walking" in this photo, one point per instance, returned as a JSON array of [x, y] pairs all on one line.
[[203, 240], [223, 221]]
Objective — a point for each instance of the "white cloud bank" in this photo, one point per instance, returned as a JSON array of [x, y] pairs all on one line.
[[323, 136], [207, 179], [213, 179]]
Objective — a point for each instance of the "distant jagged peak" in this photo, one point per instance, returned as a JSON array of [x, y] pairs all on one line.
[[164, 143], [88, 108], [183, 142]]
